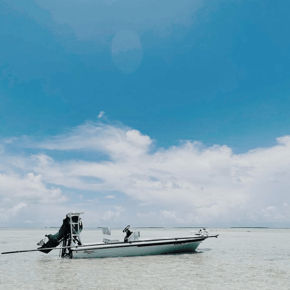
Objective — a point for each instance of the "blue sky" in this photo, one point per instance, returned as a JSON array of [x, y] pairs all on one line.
[[176, 81]]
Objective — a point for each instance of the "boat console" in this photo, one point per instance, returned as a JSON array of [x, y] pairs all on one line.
[[130, 236]]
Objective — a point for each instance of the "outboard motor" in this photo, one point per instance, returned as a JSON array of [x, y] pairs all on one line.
[[68, 234]]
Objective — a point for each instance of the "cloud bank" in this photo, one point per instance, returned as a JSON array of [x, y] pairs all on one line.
[[186, 185]]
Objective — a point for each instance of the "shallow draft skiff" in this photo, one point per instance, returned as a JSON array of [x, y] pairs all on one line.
[[72, 247]]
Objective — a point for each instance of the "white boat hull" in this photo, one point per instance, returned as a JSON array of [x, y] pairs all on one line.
[[69, 235], [141, 248]]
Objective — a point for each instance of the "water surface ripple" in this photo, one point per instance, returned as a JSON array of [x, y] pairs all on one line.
[[238, 259]]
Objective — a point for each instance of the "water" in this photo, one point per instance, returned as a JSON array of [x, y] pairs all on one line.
[[238, 259]]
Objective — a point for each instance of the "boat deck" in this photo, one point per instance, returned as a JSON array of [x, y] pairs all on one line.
[[140, 243]]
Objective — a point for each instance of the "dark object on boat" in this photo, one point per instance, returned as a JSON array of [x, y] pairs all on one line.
[[70, 224], [128, 233]]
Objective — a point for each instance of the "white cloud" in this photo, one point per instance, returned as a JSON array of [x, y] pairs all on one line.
[[101, 114], [22, 196], [93, 200], [117, 142], [29, 187], [172, 216], [29, 222], [187, 184], [15, 209], [113, 215]]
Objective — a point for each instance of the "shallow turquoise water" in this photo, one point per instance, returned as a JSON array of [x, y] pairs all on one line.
[[238, 259]]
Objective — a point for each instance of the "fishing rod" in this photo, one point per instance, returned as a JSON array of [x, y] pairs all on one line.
[[35, 250]]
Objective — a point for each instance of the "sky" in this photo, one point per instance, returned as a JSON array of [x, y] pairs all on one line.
[[149, 113]]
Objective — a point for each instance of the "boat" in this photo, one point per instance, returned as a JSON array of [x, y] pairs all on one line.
[[72, 247]]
